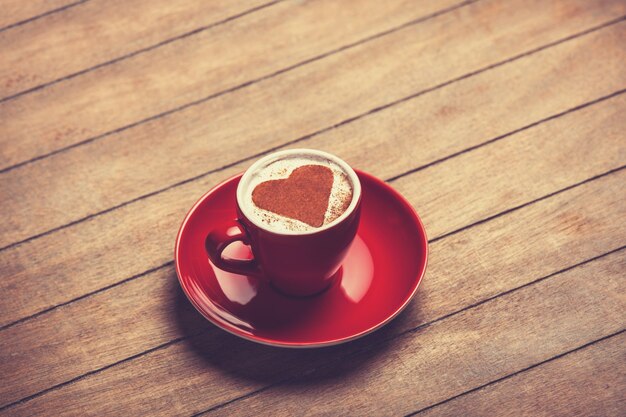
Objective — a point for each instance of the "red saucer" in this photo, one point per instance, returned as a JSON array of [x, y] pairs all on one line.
[[379, 276]]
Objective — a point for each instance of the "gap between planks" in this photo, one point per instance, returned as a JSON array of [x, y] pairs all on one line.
[[445, 317], [228, 90], [305, 137], [521, 371], [484, 220], [411, 330], [39, 16], [132, 54], [389, 180]]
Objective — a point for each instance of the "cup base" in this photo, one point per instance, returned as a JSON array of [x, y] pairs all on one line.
[[331, 281]]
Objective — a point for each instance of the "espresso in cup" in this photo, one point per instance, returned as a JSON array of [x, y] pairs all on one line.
[[297, 193]]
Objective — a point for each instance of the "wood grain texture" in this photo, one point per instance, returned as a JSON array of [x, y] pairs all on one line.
[[15, 11], [109, 172], [181, 72], [501, 122], [60, 267], [99, 31], [477, 346], [588, 382], [509, 333], [151, 310]]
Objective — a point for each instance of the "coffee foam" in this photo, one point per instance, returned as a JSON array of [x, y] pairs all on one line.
[[341, 191]]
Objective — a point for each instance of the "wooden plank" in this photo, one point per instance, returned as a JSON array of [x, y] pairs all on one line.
[[59, 267], [97, 32], [466, 350], [149, 311], [588, 382], [477, 346], [108, 172], [175, 74], [13, 12]]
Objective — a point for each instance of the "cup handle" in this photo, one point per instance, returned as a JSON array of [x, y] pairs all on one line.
[[222, 236]]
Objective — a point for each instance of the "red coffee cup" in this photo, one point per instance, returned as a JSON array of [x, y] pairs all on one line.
[[296, 263]]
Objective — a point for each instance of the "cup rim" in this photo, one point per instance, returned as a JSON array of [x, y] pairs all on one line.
[[354, 179]]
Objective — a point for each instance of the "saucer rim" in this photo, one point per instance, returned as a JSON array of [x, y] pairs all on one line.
[[304, 345]]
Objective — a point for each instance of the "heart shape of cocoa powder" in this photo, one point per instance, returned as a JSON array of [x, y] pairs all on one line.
[[303, 196]]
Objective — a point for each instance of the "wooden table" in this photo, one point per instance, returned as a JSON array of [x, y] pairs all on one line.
[[502, 122]]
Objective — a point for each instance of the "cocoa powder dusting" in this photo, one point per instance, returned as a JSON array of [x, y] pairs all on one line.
[[303, 196], [345, 200]]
